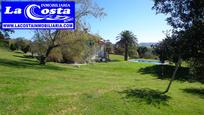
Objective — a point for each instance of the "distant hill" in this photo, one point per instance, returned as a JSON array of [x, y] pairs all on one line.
[[147, 44]]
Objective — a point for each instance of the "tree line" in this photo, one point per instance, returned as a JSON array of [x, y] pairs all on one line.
[[77, 46]]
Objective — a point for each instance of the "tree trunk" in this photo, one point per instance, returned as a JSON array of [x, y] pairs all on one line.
[[173, 76], [32, 54], [162, 70], [126, 52], [42, 60]]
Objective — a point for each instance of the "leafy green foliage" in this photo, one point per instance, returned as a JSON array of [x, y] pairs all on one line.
[[19, 44], [127, 40], [168, 49], [12, 47], [142, 50], [74, 48], [26, 48], [4, 43], [182, 13], [187, 41]]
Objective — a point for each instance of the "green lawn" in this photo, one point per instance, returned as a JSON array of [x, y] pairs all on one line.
[[115, 88]]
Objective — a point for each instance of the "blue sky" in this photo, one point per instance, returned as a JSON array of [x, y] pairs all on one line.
[[134, 15]]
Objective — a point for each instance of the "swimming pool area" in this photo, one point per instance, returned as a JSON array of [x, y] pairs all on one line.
[[156, 62]]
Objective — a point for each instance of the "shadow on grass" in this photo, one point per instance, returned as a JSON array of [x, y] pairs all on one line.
[[195, 91], [156, 70], [24, 56], [150, 96], [115, 60], [30, 60], [18, 52], [26, 63]]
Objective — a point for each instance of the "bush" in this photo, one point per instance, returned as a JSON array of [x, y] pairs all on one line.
[[25, 49], [12, 47], [196, 69], [55, 55], [19, 44], [4, 43], [75, 51]]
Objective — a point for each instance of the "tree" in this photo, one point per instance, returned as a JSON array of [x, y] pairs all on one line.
[[26, 48], [73, 49], [45, 41], [118, 49], [80, 47], [142, 50], [50, 39], [19, 43], [12, 47], [108, 47], [182, 13], [186, 17], [126, 39], [173, 76], [169, 48]]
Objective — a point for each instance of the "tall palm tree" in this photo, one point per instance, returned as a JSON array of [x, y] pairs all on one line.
[[126, 39]]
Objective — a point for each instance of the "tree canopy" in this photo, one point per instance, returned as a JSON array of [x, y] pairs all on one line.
[[126, 40], [187, 19], [182, 13]]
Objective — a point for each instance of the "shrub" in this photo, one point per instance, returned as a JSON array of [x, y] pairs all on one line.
[[4, 43], [25, 49], [12, 47], [196, 68], [55, 55]]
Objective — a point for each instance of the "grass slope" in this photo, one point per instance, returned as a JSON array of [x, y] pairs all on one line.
[[116, 88]]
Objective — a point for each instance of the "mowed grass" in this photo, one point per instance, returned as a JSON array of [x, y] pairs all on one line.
[[115, 88]]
